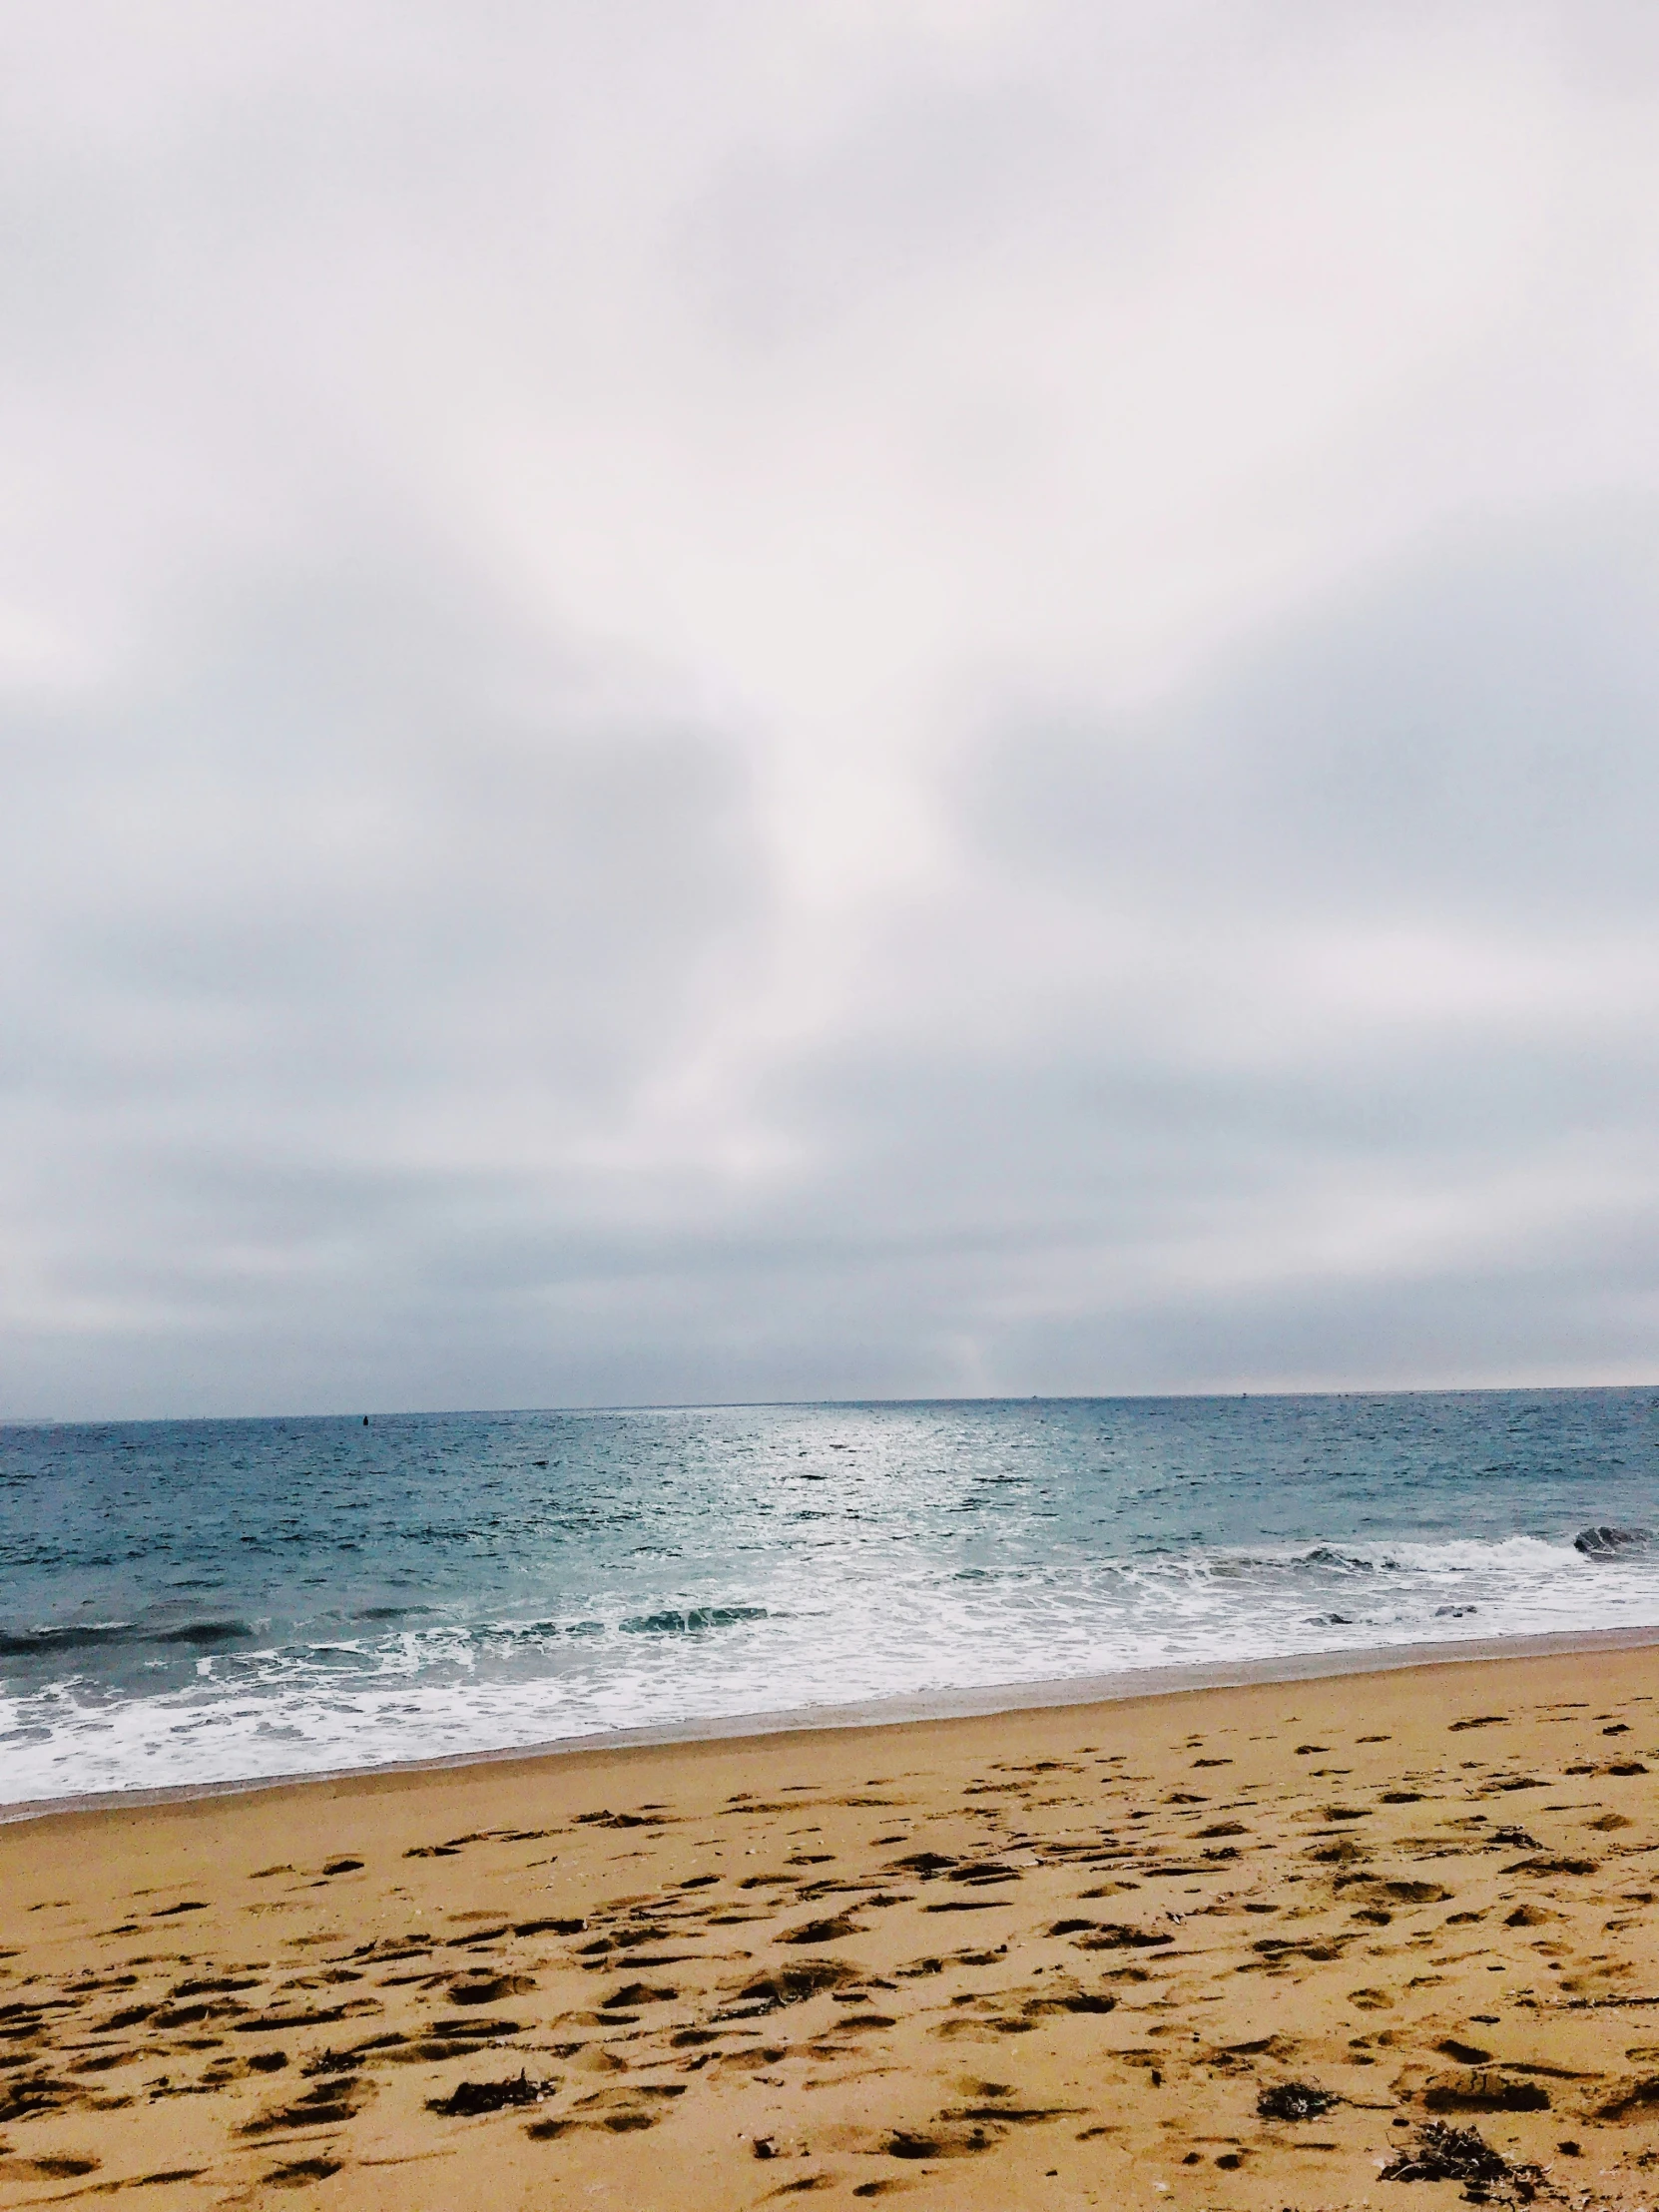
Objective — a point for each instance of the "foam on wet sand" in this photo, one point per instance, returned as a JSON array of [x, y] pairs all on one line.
[[1235, 1947]]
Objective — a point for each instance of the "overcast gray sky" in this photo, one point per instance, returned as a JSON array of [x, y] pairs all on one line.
[[873, 697]]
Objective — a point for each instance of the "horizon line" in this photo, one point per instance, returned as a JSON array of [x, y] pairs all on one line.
[[358, 1415]]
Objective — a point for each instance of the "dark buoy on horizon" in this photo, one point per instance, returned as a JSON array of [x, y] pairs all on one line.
[[365, 1420]]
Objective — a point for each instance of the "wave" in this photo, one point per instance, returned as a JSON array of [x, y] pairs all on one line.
[[674, 1623], [32, 1643], [94, 1635], [1453, 1555], [204, 1633], [412, 1682]]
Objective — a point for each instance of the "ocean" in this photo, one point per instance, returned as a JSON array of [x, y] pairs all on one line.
[[186, 1602]]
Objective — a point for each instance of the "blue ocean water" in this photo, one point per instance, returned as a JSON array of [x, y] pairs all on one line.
[[186, 1601]]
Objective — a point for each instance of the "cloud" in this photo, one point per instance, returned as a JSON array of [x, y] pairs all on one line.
[[698, 704], [360, 914]]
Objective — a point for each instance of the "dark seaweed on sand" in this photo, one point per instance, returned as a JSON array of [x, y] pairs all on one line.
[[470, 2097], [1443, 2153], [1294, 2101]]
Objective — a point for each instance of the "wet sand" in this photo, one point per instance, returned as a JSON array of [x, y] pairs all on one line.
[[1079, 1955]]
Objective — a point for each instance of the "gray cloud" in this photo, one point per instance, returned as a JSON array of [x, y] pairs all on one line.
[[1470, 735], [701, 704]]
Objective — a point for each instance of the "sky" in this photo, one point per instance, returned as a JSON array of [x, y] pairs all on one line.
[[901, 698]]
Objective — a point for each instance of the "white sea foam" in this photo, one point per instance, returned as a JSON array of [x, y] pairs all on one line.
[[812, 1630]]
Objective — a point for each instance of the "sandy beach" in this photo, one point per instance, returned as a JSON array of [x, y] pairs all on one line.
[[1233, 1946]]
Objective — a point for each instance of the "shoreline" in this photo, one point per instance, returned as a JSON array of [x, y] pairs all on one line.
[[905, 1709]]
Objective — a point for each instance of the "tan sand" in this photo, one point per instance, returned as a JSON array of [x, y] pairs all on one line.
[[1048, 1959]]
